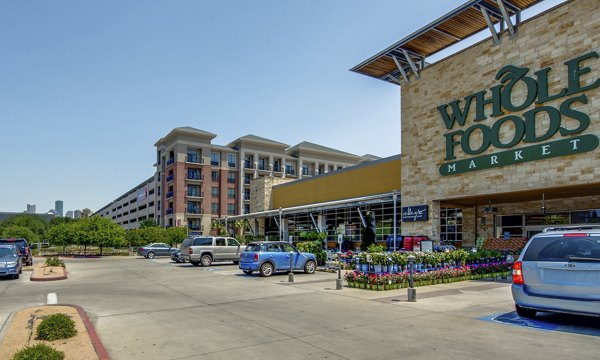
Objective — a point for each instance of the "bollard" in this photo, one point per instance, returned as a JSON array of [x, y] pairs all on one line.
[[412, 292], [291, 274], [338, 282]]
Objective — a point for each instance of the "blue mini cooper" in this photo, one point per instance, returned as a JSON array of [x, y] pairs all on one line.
[[274, 256]]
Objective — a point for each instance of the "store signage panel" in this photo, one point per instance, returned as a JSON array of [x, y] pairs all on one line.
[[529, 121], [415, 213]]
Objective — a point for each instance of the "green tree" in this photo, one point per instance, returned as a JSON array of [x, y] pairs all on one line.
[[141, 237], [33, 222], [176, 234], [17, 231], [219, 227], [134, 238], [62, 234], [99, 231], [61, 220], [148, 223]]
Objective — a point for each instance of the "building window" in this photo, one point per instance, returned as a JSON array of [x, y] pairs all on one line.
[[230, 193], [276, 166], [193, 156], [214, 159], [247, 179], [230, 209], [231, 178], [304, 169], [214, 192], [289, 169], [214, 175], [193, 190], [214, 208], [246, 209], [231, 160], [262, 164], [246, 194], [193, 174], [451, 226]]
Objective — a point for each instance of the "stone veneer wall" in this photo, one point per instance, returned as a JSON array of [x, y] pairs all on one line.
[[566, 32], [260, 192]]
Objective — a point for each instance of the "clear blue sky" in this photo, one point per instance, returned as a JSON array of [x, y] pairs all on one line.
[[88, 87]]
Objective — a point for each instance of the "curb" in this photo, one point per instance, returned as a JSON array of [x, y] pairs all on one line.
[[37, 278], [95, 339]]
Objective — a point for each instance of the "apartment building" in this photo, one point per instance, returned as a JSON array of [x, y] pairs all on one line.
[[198, 181]]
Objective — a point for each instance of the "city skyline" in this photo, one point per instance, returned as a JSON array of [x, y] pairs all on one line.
[[88, 88]]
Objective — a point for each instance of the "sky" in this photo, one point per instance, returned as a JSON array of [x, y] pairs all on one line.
[[88, 87]]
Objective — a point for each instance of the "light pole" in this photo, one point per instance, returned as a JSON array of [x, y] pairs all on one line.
[[280, 226], [395, 196]]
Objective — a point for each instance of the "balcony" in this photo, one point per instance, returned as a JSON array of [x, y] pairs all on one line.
[[248, 165], [247, 181], [170, 177], [194, 210], [214, 163], [169, 211], [194, 159], [276, 168], [170, 194], [196, 194], [290, 171], [194, 227], [194, 177], [306, 172], [170, 161]]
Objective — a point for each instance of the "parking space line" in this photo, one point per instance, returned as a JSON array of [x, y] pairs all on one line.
[[52, 299]]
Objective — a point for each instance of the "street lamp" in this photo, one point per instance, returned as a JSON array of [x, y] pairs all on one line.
[[395, 196]]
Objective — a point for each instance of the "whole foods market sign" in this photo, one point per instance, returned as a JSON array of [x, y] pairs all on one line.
[[538, 123]]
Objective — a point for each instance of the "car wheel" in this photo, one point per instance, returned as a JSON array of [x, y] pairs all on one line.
[[16, 276], [29, 263], [150, 255], [195, 263], [266, 269], [248, 272], [524, 312], [206, 260], [236, 262], [310, 267]]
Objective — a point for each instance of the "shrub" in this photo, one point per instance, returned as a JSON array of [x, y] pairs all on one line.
[[54, 261], [38, 352], [56, 326], [314, 247]]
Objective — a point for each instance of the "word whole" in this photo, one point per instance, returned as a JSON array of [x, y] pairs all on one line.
[[499, 100]]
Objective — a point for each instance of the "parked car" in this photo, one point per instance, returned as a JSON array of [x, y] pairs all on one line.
[[271, 257], [157, 249], [176, 256], [558, 271], [203, 250], [11, 263], [22, 247]]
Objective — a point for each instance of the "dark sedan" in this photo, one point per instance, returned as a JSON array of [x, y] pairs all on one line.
[[157, 249]]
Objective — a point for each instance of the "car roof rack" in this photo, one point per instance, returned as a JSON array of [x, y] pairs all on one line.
[[573, 227]]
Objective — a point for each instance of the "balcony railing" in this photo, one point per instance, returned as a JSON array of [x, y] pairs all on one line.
[[170, 161], [248, 165], [194, 227], [170, 177], [290, 171], [214, 163], [192, 158], [195, 176], [276, 168], [307, 172], [195, 193], [169, 194], [230, 181], [169, 211], [194, 210], [247, 181]]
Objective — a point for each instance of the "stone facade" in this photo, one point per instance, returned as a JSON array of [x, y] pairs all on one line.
[[549, 40], [260, 192]]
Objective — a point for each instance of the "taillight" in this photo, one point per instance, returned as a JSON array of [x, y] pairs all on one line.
[[575, 235], [141, 249], [190, 250], [517, 274], [256, 257]]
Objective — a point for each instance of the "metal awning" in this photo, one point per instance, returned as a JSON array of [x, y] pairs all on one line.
[[404, 60]]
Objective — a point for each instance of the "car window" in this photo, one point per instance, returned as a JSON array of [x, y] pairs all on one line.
[[562, 248], [203, 242], [186, 242], [288, 248], [273, 248], [7, 252], [232, 242], [220, 242], [253, 247]]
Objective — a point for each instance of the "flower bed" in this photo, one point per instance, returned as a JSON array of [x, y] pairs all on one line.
[[398, 280]]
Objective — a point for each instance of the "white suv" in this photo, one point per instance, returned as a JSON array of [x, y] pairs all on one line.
[[559, 271]]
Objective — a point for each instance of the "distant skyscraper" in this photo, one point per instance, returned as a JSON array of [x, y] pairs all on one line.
[[58, 207], [69, 214], [77, 214], [31, 208]]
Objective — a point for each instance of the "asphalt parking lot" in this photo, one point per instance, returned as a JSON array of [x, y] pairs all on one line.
[[157, 309]]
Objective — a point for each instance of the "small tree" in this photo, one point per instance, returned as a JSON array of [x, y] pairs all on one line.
[[17, 231], [148, 223], [176, 234], [99, 231], [62, 234]]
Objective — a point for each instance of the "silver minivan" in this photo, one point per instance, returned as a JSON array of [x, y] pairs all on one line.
[[559, 271], [203, 250]]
